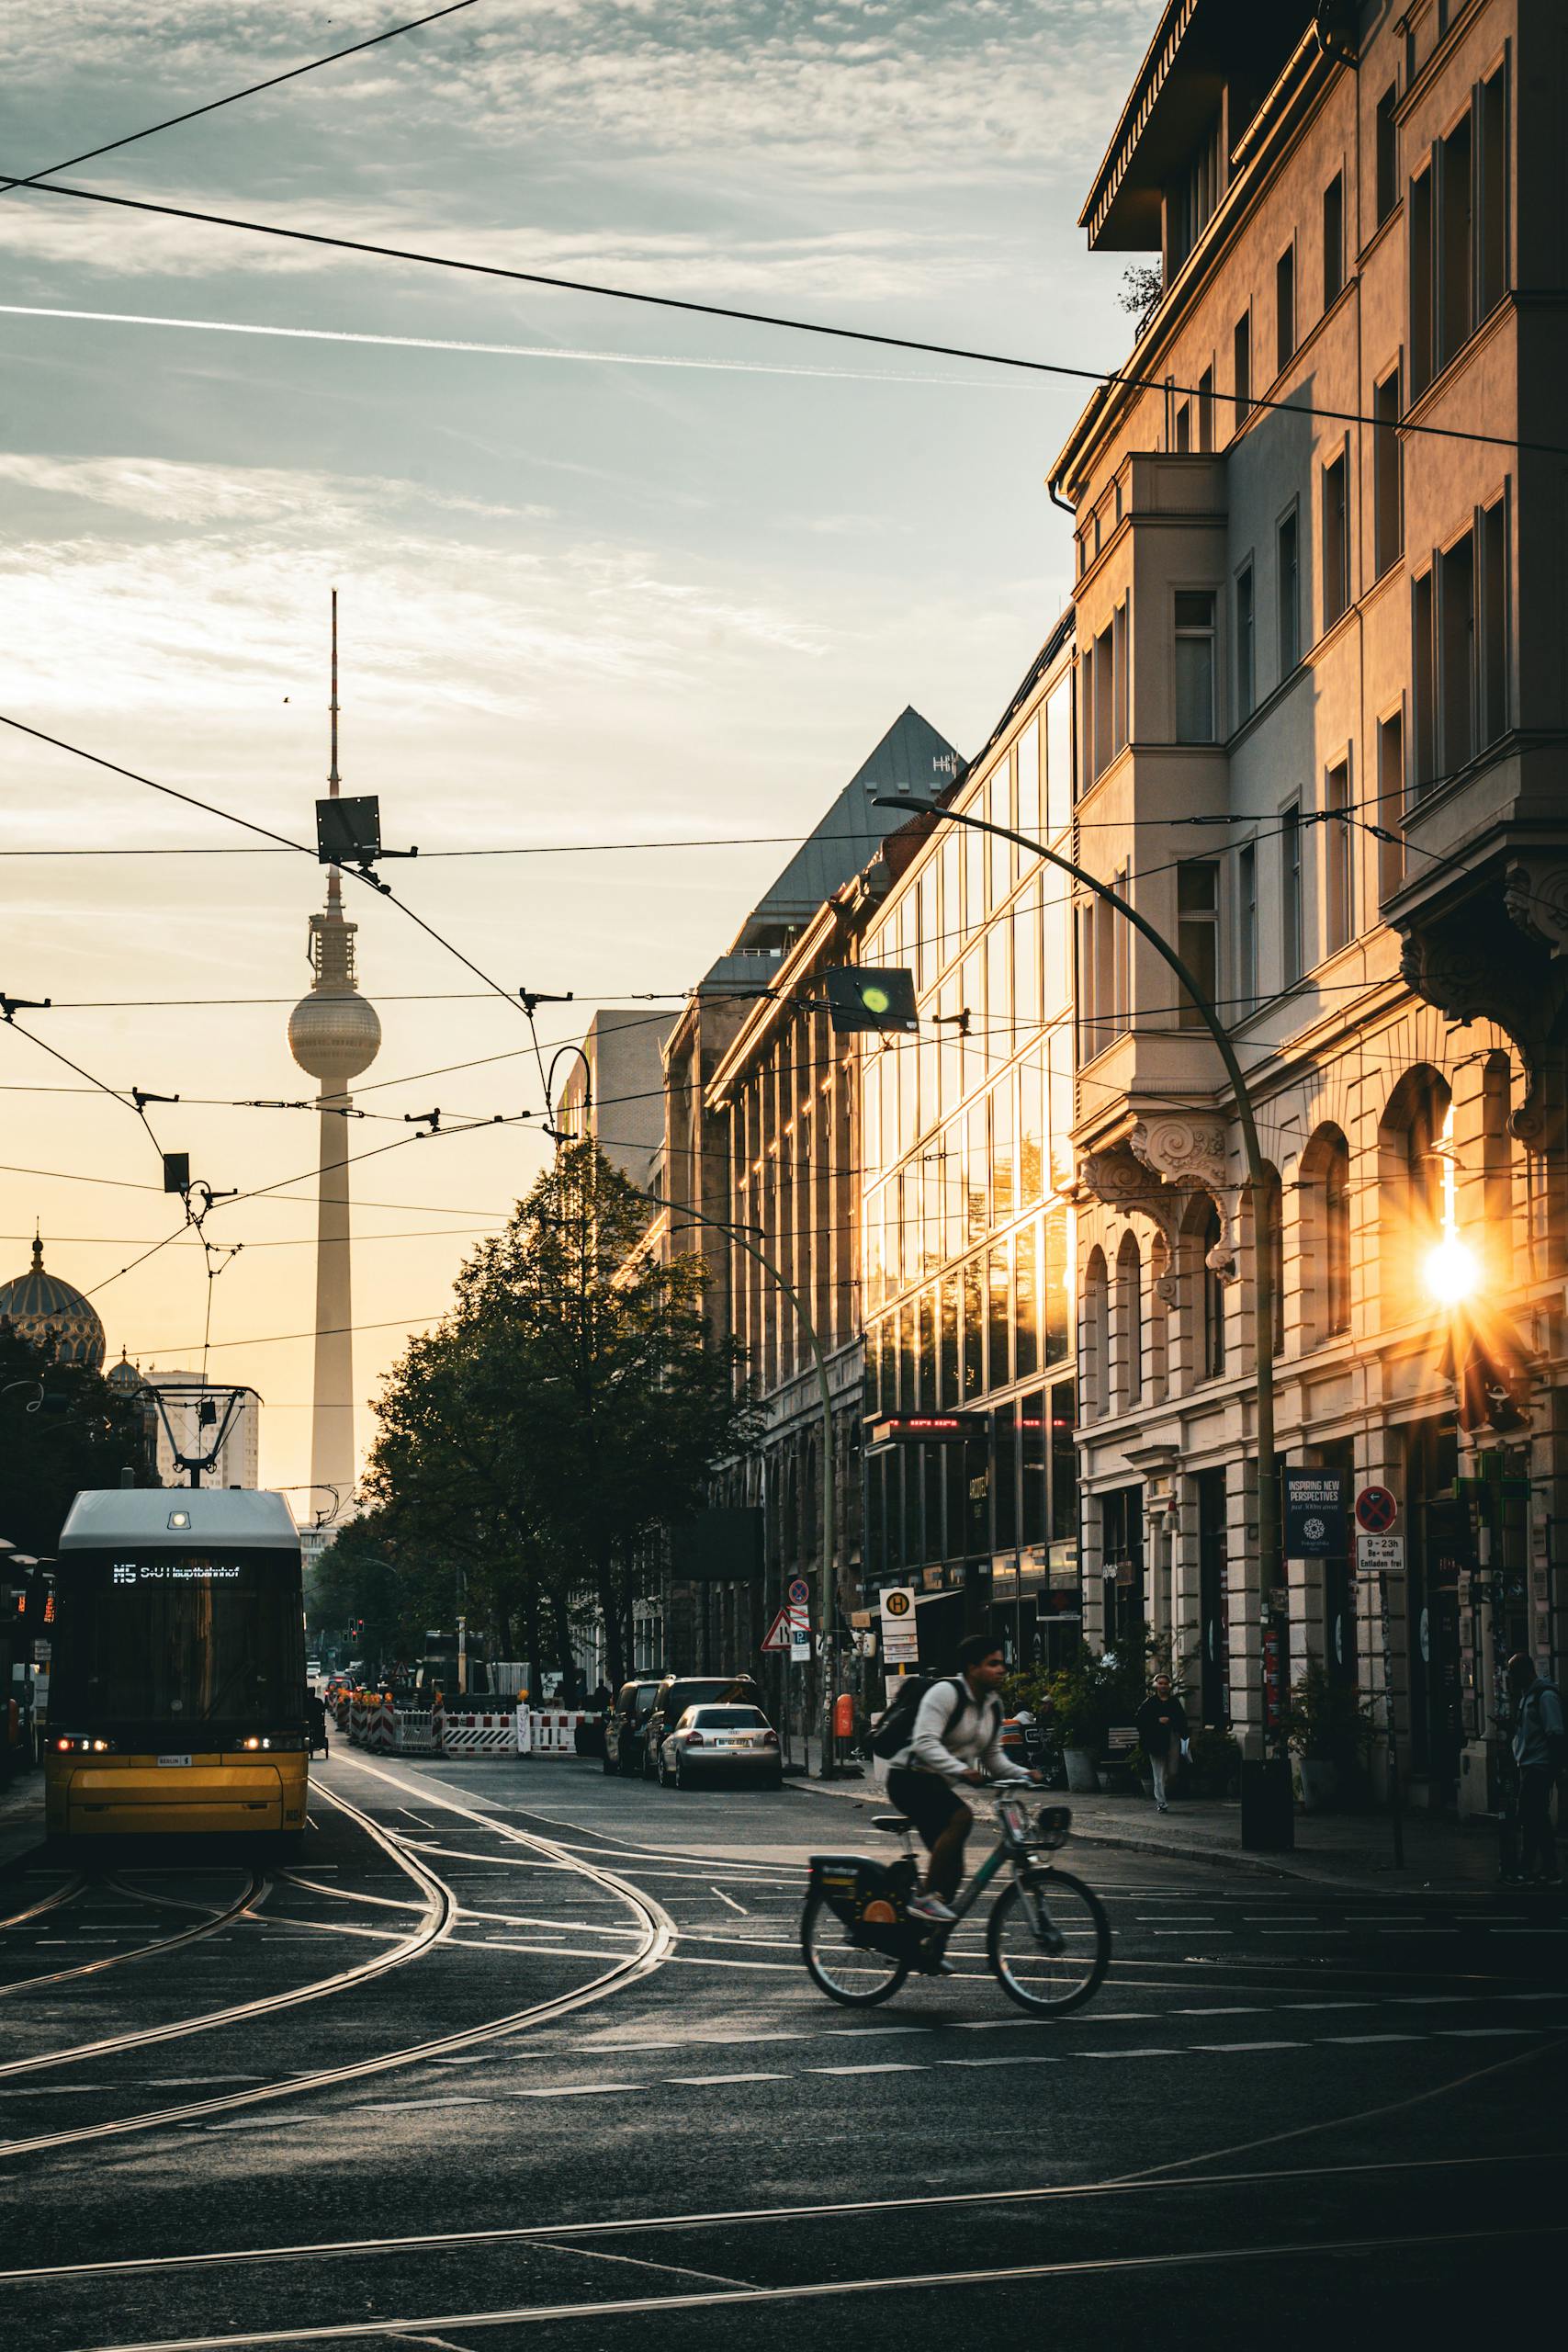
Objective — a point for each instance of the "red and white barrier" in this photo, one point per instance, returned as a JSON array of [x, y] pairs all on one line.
[[479, 1734], [555, 1730]]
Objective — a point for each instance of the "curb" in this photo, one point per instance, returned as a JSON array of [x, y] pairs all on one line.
[[1248, 1865]]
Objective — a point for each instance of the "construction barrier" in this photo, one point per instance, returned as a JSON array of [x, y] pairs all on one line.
[[414, 1734], [555, 1731], [479, 1734]]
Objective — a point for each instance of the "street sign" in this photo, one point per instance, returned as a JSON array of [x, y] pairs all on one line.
[[864, 997], [900, 1641], [799, 1592], [1381, 1555], [1376, 1510], [777, 1636]]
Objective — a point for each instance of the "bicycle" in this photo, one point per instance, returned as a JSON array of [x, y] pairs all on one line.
[[1047, 1939]]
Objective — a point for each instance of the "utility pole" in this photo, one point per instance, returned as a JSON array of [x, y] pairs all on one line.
[[1257, 1175]]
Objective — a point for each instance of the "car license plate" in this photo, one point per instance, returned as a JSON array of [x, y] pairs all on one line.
[[724, 1743], [173, 1759]]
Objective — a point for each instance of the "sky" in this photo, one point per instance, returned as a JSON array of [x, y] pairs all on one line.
[[584, 598]]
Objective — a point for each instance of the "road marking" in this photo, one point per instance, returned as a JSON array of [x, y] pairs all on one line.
[[1350, 2039], [724, 1898], [582, 2091], [726, 2078], [1251, 2045]]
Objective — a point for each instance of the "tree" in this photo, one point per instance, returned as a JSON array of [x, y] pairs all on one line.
[[84, 1435], [570, 1406]]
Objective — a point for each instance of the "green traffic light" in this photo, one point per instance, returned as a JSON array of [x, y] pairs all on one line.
[[875, 998]]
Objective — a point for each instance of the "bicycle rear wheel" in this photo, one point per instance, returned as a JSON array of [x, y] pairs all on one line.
[[1049, 1942], [854, 1973]]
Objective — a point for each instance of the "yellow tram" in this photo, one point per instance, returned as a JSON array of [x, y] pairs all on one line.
[[177, 1684]]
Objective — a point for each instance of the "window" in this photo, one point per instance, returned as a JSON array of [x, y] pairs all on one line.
[[1338, 861], [1456, 654], [1333, 241], [1058, 749], [1423, 684], [1289, 594], [1391, 804], [1206, 410], [1119, 677], [1211, 1290], [1494, 625], [1184, 428], [1336, 542], [1192, 199], [1197, 933], [1194, 666], [1103, 682], [1290, 893], [1325, 1254], [1388, 476], [1386, 135], [1246, 927], [1027, 1334], [1245, 664], [1456, 249], [1130, 1317], [1285, 307], [1241, 354], [1420, 282], [1095, 1372], [1273, 1237], [1492, 179]]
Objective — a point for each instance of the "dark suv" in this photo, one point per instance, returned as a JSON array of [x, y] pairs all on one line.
[[626, 1724], [676, 1692]]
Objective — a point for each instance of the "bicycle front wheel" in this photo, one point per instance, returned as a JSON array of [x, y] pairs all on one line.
[[1049, 1944], [854, 1973]]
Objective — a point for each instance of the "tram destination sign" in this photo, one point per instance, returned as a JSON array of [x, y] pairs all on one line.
[[183, 1569]]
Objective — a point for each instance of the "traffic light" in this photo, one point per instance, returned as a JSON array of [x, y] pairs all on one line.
[[878, 997], [1493, 1390]]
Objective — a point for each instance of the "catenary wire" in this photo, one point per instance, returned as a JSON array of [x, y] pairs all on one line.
[[234, 98], [690, 307]]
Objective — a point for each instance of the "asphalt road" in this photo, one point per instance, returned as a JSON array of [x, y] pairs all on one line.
[[515, 2045]]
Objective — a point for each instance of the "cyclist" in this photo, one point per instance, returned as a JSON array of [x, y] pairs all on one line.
[[957, 1742]]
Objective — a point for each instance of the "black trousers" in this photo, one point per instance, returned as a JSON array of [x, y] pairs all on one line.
[[1528, 1843]]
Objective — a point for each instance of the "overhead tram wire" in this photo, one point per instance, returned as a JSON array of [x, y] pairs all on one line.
[[234, 98], [690, 307]]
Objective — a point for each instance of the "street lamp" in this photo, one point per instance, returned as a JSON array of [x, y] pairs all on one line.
[[740, 1235], [1257, 1175]]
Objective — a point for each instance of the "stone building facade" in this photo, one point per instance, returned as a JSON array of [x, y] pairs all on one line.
[[1321, 714]]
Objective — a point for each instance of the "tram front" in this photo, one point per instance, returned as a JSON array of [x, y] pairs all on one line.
[[178, 1690]]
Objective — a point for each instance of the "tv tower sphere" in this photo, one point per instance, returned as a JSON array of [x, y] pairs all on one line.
[[334, 1033]]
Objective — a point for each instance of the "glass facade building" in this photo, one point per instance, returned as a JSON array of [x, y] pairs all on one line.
[[967, 1246]]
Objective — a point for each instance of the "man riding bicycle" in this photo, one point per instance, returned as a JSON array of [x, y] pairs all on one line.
[[957, 1742]]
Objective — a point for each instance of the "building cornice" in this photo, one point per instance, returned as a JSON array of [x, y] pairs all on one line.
[[832, 921]]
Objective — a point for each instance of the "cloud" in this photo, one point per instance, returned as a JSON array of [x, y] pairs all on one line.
[[180, 492]]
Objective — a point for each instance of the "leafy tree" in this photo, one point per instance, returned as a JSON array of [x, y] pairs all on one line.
[[83, 1435], [570, 1406]]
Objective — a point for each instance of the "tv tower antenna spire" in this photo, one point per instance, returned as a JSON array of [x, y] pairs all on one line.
[[334, 880]]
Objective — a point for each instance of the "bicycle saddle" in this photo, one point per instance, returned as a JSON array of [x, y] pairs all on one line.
[[891, 1821]]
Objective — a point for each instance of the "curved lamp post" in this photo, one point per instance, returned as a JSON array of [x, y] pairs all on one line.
[[1257, 1175]]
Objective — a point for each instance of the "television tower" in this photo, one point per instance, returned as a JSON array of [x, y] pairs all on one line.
[[334, 1033]]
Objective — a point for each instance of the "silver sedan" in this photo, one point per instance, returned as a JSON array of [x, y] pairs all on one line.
[[708, 1741]]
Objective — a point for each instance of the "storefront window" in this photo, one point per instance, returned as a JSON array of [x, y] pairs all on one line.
[[1026, 1341], [999, 1316], [1064, 1466], [1033, 1456], [1004, 1477]]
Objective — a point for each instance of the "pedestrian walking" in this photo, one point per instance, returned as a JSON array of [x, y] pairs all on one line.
[[1162, 1733], [316, 1720], [1541, 1752]]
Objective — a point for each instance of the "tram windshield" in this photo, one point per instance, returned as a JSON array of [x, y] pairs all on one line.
[[179, 1637]]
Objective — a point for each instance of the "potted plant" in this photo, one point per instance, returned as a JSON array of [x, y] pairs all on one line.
[[1328, 1731], [1214, 1765], [1080, 1711]]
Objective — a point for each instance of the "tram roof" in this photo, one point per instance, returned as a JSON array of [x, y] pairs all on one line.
[[238, 1516]]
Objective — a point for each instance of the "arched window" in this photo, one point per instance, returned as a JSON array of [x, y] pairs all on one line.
[[1273, 1243], [1410, 1188], [1497, 1166], [1211, 1328], [1130, 1319], [1324, 1189], [1096, 1336]]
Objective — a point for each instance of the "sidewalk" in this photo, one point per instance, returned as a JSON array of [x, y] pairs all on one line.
[[21, 1819], [1354, 1850]]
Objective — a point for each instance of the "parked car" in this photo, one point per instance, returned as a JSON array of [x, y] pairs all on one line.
[[626, 1724], [676, 1692], [708, 1741]]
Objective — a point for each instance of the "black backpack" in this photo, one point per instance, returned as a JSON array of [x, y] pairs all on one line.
[[896, 1726]]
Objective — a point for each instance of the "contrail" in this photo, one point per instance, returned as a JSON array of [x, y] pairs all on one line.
[[511, 350]]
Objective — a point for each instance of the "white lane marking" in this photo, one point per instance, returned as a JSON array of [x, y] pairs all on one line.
[[1014, 2058], [1349, 2040], [1479, 2032], [1230, 2009], [886, 2066], [1251, 2045], [726, 2078], [582, 2091], [1186, 1931], [724, 1898]]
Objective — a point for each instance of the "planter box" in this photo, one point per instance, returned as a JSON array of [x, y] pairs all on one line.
[[1083, 1780]]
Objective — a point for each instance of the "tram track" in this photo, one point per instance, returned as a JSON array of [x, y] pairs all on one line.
[[436, 1925], [210, 1923], [73, 1887]]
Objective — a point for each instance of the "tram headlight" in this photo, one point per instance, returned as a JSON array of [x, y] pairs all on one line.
[[80, 1743], [255, 1740]]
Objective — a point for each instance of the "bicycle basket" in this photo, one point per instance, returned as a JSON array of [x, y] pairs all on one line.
[[1053, 1826]]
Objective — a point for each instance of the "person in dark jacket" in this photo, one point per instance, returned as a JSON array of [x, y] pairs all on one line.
[[316, 1721], [1162, 1728], [1541, 1751]]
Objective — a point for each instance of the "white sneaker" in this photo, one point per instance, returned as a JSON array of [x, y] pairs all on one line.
[[929, 1906]]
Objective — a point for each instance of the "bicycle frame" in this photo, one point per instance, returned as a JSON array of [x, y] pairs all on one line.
[[1008, 1849]]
